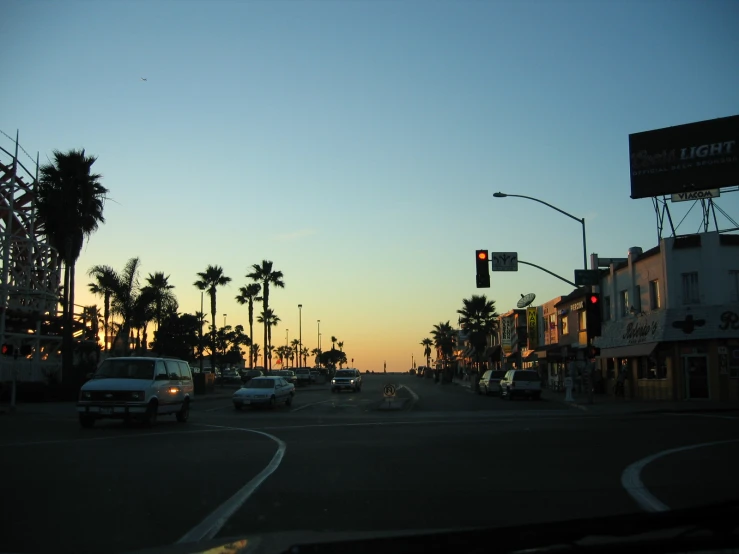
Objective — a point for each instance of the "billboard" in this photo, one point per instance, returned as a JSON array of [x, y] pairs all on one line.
[[693, 157]]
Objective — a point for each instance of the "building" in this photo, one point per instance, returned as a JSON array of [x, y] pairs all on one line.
[[671, 319]]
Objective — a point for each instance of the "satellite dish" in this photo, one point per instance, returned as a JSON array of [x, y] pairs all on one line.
[[526, 299]]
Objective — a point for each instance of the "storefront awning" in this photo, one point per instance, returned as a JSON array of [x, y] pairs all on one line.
[[630, 351]]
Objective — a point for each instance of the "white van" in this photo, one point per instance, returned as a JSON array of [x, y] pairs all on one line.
[[137, 388]]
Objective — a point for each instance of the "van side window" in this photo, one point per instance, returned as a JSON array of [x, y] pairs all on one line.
[[161, 372], [173, 370], [185, 371]]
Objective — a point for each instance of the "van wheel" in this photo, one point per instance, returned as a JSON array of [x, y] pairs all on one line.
[[87, 421], [184, 412], [150, 418]]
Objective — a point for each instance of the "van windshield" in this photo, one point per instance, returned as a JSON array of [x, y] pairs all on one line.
[[122, 368]]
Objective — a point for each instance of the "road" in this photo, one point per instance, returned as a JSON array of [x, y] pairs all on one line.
[[332, 462]]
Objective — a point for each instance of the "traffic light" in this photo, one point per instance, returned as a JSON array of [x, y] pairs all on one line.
[[593, 314], [483, 269], [7, 349]]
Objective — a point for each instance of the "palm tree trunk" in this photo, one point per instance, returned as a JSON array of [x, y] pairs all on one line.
[[213, 332], [251, 332], [68, 336], [106, 316]]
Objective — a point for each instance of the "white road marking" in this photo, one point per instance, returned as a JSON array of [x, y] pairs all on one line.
[[632, 483], [413, 395], [209, 527], [312, 404]]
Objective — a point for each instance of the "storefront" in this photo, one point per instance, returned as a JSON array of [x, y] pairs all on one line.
[[674, 354]]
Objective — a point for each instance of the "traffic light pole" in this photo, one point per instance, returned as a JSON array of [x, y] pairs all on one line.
[[550, 273]]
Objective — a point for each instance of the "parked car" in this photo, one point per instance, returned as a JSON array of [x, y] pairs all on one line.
[[520, 382], [288, 375], [303, 376], [137, 388], [248, 374], [267, 391], [350, 379], [490, 381]]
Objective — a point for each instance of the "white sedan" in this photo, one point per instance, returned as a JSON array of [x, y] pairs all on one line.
[[265, 391]]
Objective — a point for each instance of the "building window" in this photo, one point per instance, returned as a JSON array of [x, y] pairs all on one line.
[[564, 329], [582, 319], [552, 324], [606, 308], [624, 307], [734, 285], [653, 367], [654, 300], [637, 298], [690, 288]]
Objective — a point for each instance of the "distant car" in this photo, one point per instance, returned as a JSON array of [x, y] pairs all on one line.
[[247, 374], [520, 382], [490, 382], [137, 388], [303, 375], [350, 379], [266, 391], [288, 375]]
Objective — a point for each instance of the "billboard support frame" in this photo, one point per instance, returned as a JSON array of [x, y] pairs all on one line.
[[709, 219]]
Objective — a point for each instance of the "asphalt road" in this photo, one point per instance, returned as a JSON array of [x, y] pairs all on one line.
[[333, 462]]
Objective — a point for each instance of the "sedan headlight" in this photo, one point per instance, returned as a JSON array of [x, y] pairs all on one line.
[[333, 381]]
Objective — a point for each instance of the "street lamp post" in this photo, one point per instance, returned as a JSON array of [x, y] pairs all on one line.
[[300, 335], [202, 347], [581, 221], [224, 320]]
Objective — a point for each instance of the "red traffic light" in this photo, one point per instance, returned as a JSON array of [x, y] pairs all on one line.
[[593, 299], [482, 255], [6, 349]]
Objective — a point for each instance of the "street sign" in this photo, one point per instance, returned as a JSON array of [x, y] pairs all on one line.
[[587, 277], [389, 391], [696, 195], [504, 261]]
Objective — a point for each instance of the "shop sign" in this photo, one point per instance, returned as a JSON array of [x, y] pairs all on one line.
[[577, 305]]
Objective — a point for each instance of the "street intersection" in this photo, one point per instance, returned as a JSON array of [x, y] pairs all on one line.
[[335, 462]]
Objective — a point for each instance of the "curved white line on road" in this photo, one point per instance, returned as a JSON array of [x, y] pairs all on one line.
[[632, 483], [209, 527]]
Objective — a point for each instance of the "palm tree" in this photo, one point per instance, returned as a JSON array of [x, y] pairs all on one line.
[[247, 295], [200, 316], [70, 201], [158, 287], [333, 342], [209, 281], [124, 299], [316, 352], [104, 284], [295, 343], [479, 320], [427, 343], [266, 276], [444, 339], [254, 350], [304, 353], [340, 344], [144, 310], [269, 319]]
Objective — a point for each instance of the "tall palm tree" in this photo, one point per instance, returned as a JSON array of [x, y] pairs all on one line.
[[333, 343], [269, 319], [479, 320], [427, 343], [70, 201], [144, 310], [247, 295], [317, 353], [443, 336], [295, 343], [304, 353], [340, 344], [104, 284], [158, 288], [209, 281], [124, 300], [265, 275], [254, 351]]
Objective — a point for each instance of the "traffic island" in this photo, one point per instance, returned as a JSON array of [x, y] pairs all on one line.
[[396, 398]]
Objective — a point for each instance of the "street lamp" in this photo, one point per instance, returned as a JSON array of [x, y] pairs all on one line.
[[319, 334], [224, 320], [300, 336], [581, 221]]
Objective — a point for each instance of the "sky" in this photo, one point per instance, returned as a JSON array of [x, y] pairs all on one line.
[[358, 144]]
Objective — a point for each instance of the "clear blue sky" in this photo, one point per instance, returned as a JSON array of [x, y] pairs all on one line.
[[357, 144]]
